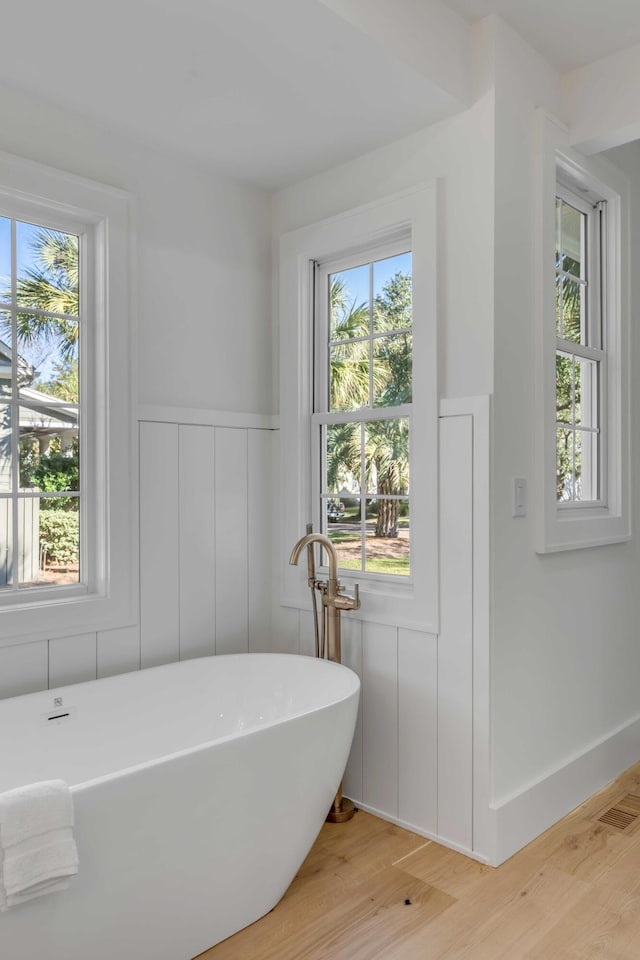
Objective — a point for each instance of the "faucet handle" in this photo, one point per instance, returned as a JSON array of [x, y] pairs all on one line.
[[344, 602]]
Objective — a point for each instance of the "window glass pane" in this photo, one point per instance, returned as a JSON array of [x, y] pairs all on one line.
[[386, 447], [392, 358], [388, 537], [349, 386], [349, 303], [570, 310], [48, 355], [558, 233], [6, 448], [345, 533], [392, 303], [572, 240], [564, 465], [342, 459], [49, 449], [47, 269], [5, 258], [50, 547], [6, 541], [564, 388]]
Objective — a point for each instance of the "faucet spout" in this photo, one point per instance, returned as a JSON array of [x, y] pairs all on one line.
[[332, 586]]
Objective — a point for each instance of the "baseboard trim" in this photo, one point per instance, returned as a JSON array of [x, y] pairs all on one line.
[[524, 816]]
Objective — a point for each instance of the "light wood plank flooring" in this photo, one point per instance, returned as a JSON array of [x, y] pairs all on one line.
[[371, 891]]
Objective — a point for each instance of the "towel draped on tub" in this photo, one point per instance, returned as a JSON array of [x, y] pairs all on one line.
[[37, 850]]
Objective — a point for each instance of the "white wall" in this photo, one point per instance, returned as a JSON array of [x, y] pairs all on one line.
[[458, 153], [203, 288], [565, 653], [203, 271]]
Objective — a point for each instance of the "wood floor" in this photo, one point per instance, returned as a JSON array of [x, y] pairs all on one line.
[[371, 891]]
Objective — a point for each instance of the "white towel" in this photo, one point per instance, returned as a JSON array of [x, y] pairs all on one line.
[[37, 849]]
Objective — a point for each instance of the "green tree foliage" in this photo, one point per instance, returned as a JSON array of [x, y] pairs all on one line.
[[386, 446], [50, 284], [53, 472], [64, 382], [568, 385]]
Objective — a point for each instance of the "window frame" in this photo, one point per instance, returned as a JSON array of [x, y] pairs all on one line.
[[42, 215], [323, 417], [107, 597], [561, 526], [413, 605], [596, 324]]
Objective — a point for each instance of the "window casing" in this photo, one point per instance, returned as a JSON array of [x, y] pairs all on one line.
[[394, 225], [582, 419], [46, 455], [363, 409], [104, 592]]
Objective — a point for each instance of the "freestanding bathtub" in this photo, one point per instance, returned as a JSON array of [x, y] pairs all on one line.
[[198, 788]]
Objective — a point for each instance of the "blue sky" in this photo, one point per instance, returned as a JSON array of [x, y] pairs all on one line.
[[357, 279]]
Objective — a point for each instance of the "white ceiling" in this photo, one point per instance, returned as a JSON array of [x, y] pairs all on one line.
[[568, 33], [267, 90], [272, 91]]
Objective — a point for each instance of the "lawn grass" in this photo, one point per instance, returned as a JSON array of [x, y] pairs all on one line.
[[389, 565]]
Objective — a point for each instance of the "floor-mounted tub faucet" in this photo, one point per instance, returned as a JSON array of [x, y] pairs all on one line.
[[332, 599], [333, 602]]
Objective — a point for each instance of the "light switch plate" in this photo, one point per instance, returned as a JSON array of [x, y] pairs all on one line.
[[519, 497]]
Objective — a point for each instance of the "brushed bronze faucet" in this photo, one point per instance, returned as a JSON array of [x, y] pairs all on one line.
[[332, 598], [333, 602]]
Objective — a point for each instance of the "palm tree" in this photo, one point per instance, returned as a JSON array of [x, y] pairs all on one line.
[[386, 444], [349, 364], [50, 284]]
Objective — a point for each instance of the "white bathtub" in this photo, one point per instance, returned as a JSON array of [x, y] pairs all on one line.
[[198, 789]]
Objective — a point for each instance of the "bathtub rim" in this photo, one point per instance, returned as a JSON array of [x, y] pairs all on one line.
[[204, 744]]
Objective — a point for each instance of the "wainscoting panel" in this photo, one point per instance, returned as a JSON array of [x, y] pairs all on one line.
[[285, 630], [380, 717], [352, 657], [205, 556], [414, 758], [72, 659], [197, 541], [159, 544], [418, 729], [118, 651], [231, 541], [205, 533], [24, 668], [259, 516], [455, 642], [307, 634]]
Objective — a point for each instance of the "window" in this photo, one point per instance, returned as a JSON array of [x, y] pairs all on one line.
[[580, 357], [362, 409], [42, 316], [67, 468], [357, 315], [582, 434]]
